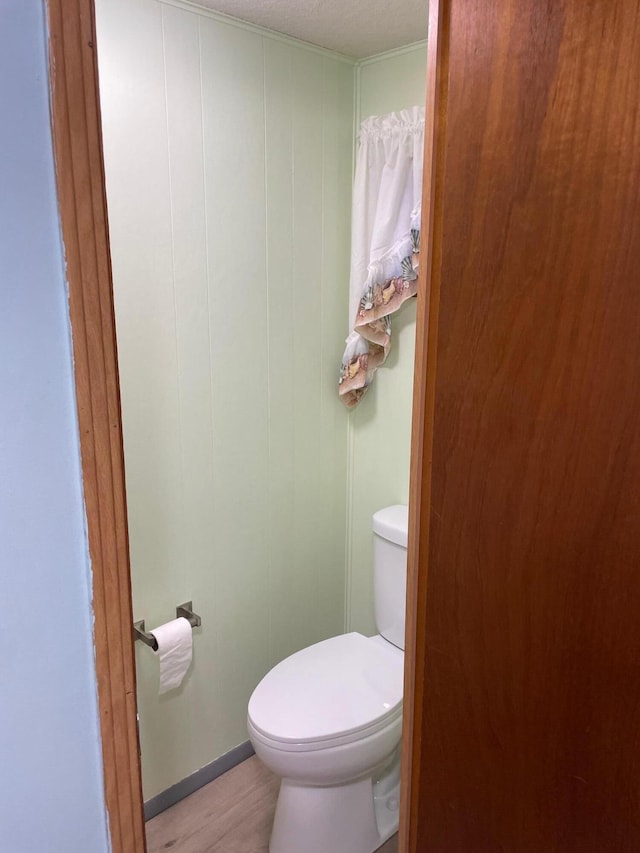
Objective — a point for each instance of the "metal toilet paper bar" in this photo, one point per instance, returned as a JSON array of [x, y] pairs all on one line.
[[185, 610]]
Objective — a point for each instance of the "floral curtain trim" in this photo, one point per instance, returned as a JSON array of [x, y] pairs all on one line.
[[368, 346], [385, 241]]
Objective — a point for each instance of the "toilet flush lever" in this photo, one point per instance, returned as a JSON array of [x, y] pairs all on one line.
[[185, 610]]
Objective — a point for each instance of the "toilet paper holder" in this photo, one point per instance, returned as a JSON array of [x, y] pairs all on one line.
[[185, 610]]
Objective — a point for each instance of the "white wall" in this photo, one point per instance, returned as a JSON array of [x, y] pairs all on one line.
[[51, 789], [380, 426], [228, 161]]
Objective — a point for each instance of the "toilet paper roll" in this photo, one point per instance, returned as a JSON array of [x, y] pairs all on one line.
[[175, 650]]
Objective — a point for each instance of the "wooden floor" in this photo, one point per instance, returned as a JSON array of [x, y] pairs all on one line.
[[232, 814]]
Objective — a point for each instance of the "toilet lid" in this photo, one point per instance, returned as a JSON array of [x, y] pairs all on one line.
[[337, 687]]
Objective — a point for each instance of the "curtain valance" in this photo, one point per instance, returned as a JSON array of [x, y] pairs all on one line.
[[385, 240]]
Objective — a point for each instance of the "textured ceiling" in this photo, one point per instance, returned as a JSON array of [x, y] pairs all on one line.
[[357, 28]]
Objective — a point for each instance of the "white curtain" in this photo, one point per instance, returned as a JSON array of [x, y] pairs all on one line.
[[385, 240]]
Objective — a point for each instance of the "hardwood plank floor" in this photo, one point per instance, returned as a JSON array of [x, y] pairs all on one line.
[[232, 814]]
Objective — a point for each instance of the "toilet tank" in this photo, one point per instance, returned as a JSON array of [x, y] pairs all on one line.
[[390, 527]]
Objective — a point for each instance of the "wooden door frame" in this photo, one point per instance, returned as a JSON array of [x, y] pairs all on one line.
[[422, 423], [82, 204], [80, 179]]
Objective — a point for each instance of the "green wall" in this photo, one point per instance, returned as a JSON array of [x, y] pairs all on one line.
[[228, 160], [228, 155], [380, 427]]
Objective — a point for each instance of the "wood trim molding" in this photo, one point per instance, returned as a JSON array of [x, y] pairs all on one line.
[[83, 212], [422, 425]]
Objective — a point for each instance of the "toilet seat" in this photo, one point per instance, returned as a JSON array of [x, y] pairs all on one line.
[[335, 692]]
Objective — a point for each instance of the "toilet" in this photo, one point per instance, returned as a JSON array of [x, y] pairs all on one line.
[[328, 721]]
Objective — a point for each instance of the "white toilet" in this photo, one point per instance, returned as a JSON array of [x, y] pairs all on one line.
[[328, 721]]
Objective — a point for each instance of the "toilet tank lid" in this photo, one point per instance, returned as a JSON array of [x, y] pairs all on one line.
[[392, 523]]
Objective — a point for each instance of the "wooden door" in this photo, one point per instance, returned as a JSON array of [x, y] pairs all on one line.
[[526, 727]]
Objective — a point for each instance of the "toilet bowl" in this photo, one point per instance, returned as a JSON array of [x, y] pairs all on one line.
[[328, 721]]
